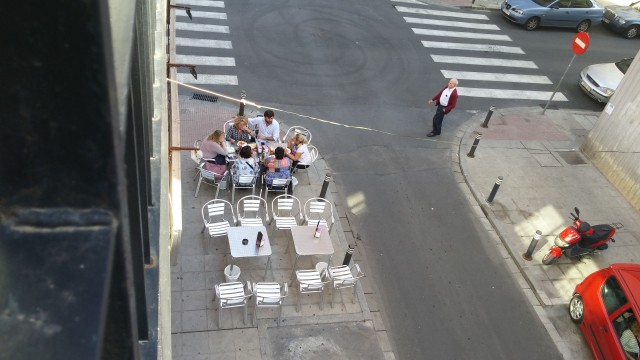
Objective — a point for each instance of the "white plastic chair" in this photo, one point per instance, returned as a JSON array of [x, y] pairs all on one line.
[[231, 295], [210, 178], [342, 277], [320, 210], [217, 216], [309, 281], [285, 211], [243, 182], [252, 211], [313, 151], [297, 130], [269, 294], [276, 186], [196, 156], [227, 125]]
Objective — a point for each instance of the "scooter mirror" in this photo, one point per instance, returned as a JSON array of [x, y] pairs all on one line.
[[577, 211]]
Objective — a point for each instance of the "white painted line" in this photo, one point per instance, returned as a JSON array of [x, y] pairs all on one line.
[[415, 2], [484, 76], [213, 44], [202, 27], [509, 94], [460, 34], [216, 4], [205, 60], [472, 47], [483, 61], [458, 24], [441, 13], [208, 79], [203, 15]]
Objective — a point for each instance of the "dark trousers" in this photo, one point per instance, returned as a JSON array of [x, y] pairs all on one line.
[[437, 120]]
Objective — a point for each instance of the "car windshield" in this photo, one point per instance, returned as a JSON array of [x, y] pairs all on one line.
[[544, 3], [624, 64]]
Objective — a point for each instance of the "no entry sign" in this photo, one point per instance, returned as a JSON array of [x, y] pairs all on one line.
[[580, 43]]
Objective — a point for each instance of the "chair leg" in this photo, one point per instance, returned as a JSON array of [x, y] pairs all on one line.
[[322, 299], [333, 296], [245, 312], [220, 317], [255, 313], [298, 304], [233, 194], [353, 298], [198, 187], [280, 315]]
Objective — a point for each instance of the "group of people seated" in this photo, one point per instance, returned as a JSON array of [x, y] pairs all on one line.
[[280, 165]]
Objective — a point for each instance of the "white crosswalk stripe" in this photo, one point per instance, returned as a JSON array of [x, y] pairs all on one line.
[[459, 34], [204, 15], [441, 13], [457, 24], [509, 94], [205, 60], [483, 61], [472, 47], [208, 79], [205, 38], [202, 27], [484, 76], [216, 4], [444, 34], [206, 43]]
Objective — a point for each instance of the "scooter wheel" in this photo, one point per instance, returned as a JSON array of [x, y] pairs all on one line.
[[549, 259]]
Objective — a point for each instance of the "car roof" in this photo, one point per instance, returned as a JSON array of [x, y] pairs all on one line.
[[629, 275]]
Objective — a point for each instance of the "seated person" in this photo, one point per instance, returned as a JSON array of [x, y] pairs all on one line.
[[299, 154], [239, 131], [214, 152], [245, 164], [629, 340], [278, 166], [268, 127]]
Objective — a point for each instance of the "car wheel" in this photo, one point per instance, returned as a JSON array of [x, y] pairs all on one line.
[[583, 26], [631, 32], [532, 23], [576, 309]]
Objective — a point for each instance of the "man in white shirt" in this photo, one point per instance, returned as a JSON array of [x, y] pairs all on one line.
[[445, 100], [268, 127]]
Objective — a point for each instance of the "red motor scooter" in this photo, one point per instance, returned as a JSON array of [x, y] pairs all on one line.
[[580, 239]]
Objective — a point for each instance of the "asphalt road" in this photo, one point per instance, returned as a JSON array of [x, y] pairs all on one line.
[[444, 289]]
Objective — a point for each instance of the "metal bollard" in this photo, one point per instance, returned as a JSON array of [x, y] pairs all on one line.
[[474, 146], [532, 245], [347, 256], [243, 95], [325, 185], [485, 124], [496, 186]]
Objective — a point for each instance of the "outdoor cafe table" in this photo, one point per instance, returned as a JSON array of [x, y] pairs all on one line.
[[238, 250], [306, 244]]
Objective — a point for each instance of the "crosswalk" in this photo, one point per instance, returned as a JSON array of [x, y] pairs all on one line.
[[467, 47], [206, 34]]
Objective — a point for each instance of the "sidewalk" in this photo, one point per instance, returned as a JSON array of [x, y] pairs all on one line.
[[346, 331], [545, 176], [478, 4]]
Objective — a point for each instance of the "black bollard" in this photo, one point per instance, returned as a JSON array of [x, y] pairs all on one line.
[[325, 185], [347, 256], [496, 186], [243, 95], [532, 245], [485, 124], [474, 146]]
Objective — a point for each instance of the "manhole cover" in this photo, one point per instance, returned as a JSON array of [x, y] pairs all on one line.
[[572, 157]]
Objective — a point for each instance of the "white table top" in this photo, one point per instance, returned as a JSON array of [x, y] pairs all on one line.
[[306, 244], [237, 233]]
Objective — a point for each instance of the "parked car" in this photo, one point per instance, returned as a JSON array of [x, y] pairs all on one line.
[[623, 19], [578, 14], [605, 305], [600, 81]]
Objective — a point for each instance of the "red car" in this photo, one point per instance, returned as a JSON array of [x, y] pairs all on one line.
[[605, 305]]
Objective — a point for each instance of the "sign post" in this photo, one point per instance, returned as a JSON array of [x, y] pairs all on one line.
[[579, 45]]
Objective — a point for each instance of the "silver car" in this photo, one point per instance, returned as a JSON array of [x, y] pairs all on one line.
[[601, 80]]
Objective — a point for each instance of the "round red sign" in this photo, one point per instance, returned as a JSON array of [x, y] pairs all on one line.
[[580, 43]]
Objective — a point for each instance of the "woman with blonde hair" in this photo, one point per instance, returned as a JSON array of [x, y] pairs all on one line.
[[239, 131], [299, 154], [213, 149]]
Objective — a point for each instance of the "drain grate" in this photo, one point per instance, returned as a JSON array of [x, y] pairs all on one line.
[[572, 157], [204, 97]]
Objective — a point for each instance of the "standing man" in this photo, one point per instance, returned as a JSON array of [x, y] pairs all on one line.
[[445, 101], [268, 127]]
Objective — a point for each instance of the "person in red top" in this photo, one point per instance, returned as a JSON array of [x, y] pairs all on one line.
[[445, 100]]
